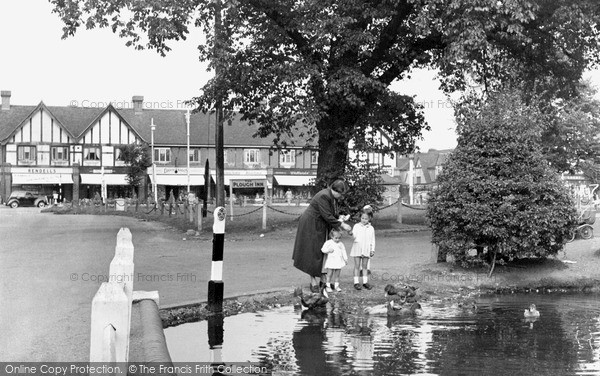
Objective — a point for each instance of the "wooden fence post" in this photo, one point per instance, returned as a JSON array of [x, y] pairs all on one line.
[[199, 214], [264, 218], [399, 213]]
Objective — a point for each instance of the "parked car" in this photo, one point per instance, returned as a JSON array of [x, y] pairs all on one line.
[[26, 198]]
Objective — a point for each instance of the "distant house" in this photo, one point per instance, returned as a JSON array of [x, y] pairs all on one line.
[[427, 168]]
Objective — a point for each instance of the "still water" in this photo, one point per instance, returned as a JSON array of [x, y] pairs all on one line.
[[495, 339]]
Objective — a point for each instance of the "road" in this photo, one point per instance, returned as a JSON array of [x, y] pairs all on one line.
[[52, 265]]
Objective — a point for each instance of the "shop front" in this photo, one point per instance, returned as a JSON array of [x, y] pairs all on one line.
[[54, 182], [296, 182], [244, 184], [105, 183], [175, 181]]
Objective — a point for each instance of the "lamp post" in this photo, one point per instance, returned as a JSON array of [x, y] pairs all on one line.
[[152, 128], [187, 119]]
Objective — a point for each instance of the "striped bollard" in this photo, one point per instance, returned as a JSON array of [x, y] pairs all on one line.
[[215, 285], [215, 342]]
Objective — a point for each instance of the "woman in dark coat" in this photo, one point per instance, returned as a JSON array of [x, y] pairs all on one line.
[[313, 228]]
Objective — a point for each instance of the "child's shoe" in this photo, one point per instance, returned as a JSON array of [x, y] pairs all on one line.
[[328, 289], [367, 286], [338, 289], [357, 286]]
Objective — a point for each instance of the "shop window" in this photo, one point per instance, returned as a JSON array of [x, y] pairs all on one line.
[[162, 155], [287, 158], [251, 156], [194, 155], [91, 153], [26, 154]]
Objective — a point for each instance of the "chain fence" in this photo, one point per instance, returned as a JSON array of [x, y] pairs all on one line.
[[183, 215]]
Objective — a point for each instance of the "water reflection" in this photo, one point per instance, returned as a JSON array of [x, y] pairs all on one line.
[[445, 340]]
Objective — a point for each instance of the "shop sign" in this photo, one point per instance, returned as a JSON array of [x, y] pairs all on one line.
[[40, 171], [30, 187], [297, 172], [246, 183]]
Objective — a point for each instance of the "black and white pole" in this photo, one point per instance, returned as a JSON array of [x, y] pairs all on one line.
[[215, 342], [215, 285]]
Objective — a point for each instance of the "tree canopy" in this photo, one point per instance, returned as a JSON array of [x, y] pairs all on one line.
[[321, 69], [137, 159], [497, 190]]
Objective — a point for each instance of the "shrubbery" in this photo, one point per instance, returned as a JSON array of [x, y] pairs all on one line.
[[497, 192]]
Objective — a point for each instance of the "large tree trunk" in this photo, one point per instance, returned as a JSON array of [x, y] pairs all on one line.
[[333, 147]]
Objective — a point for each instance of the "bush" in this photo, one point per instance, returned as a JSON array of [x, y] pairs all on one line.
[[496, 191]]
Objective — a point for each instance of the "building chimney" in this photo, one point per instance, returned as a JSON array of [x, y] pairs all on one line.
[[138, 104], [5, 99]]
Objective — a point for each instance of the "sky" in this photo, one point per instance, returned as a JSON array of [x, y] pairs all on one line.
[[94, 68]]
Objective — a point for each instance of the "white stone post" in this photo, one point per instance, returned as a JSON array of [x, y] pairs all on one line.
[[122, 269], [110, 308]]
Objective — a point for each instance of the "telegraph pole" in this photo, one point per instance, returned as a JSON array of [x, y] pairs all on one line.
[[220, 159]]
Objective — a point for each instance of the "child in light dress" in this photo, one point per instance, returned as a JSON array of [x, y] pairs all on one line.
[[336, 259], [363, 248]]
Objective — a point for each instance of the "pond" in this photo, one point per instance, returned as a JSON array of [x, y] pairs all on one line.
[[495, 339]]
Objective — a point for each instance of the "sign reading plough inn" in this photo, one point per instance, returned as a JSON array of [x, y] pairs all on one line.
[[247, 183]]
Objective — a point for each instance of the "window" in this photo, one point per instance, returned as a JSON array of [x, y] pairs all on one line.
[[60, 154], [162, 155], [287, 157], [118, 154], [26, 154], [314, 157], [91, 153], [119, 161], [194, 155], [251, 156]]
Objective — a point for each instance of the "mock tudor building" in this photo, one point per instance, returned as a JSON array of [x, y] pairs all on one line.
[[75, 153]]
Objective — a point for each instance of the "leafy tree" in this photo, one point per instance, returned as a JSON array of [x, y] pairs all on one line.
[[366, 186], [497, 190], [570, 141], [137, 158], [321, 69]]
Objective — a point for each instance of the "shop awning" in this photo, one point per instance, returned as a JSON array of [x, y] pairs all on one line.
[[180, 180], [42, 179], [109, 179], [294, 180], [240, 177]]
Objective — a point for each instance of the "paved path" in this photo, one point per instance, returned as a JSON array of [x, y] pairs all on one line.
[[52, 265]]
